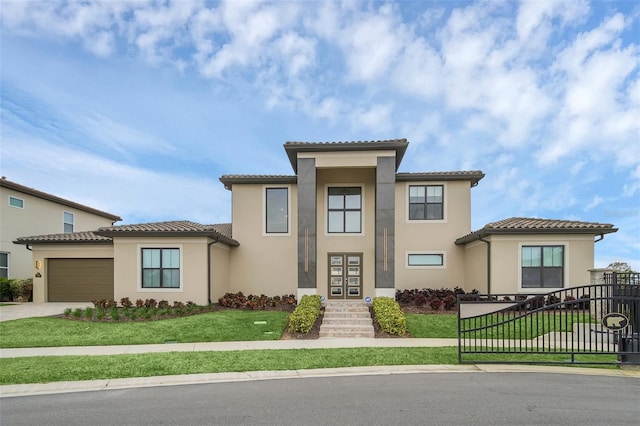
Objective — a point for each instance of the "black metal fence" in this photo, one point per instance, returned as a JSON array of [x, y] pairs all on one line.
[[622, 278], [594, 324]]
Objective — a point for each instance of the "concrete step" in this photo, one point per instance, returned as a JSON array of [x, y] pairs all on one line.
[[346, 319]]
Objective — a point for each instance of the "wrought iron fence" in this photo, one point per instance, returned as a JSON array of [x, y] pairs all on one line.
[[622, 278], [594, 324]]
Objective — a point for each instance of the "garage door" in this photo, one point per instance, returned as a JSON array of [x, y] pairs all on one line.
[[80, 280]]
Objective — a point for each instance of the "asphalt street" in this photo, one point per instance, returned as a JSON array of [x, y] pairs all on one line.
[[458, 398]]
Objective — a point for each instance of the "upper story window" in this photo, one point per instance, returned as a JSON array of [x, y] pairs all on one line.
[[160, 268], [426, 202], [16, 202], [542, 266], [4, 265], [277, 210], [344, 212], [68, 222]]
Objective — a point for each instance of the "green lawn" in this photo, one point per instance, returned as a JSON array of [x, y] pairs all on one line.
[[69, 368], [446, 325], [219, 326]]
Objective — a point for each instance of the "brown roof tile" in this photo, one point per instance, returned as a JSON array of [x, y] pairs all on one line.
[[471, 175], [524, 225], [397, 145], [71, 237], [43, 195], [177, 228]]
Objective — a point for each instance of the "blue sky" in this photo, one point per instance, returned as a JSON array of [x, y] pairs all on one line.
[[137, 108]]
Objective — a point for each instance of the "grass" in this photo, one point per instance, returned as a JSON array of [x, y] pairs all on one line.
[[219, 326], [446, 325], [70, 368]]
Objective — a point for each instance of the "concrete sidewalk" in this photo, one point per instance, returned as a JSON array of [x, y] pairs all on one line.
[[227, 346], [30, 309]]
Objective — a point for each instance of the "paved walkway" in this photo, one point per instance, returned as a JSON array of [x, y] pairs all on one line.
[[29, 310]]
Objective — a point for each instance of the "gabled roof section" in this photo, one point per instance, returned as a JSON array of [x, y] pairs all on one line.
[[473, 176], [178, 228], [524, 225], [67, 238], [43, 195], [397, 145], [229, 180]]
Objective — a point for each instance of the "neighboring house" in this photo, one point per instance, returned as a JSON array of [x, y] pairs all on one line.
[[27, 211], [346, 225]]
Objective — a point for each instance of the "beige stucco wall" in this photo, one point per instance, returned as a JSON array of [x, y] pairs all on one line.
[[262, 264], [38, 217], [220, 278], [506, 267], [44, 252], [433, 237], [193, 267], [347, 243], [475, 257]]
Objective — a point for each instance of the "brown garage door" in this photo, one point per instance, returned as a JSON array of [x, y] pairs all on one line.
[[80, 280]]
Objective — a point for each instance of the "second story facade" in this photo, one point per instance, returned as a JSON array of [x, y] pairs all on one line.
[[27, 211]]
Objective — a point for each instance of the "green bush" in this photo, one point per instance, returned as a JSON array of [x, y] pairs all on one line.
[[15, 289], [6, 294], [305, 314], [389, 316]]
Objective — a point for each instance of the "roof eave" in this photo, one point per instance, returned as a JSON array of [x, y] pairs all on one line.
[[475, 236], [228, 181], [47, 242], [133, 234], [473, 177]]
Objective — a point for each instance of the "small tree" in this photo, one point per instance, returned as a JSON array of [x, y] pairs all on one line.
[[621, 267]]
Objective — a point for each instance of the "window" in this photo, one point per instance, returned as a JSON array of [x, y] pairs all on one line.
[[426, 202], [345, 210], [68, 222], [4, 265], [16, 202], [160, 268], [542, 266], [425, 259], [277, 210]]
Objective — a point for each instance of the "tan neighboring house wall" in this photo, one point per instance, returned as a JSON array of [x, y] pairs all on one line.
[[475, 267], [40, 214], [42, 253]]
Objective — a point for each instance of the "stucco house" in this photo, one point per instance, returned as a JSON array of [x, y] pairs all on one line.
[[27, 211], [346, 225]]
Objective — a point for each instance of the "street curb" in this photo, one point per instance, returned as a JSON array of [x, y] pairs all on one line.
[[8, 391]]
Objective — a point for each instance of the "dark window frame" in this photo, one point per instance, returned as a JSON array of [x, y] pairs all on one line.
[[160, 269], [425, 205], [66, 223], [344, 209], [267, 228], [4, 269], [542, 276]]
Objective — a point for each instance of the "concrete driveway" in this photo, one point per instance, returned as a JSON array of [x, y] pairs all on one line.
[[28, 310]]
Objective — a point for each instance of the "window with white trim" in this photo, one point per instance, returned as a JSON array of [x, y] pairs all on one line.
[[426, 202], [542, 266], [160, 268], [425, 260], [344, 210], [4, 265], [277, 210], [68, 220], [16, 202]]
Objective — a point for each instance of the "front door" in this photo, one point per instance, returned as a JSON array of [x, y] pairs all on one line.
[[345, 275]]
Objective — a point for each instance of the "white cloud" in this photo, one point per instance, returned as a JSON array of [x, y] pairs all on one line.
[[597, 200]]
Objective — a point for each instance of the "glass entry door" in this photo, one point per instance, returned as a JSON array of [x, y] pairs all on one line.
[[345, 275]]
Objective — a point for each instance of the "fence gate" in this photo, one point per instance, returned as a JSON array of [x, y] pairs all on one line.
[[595, 324]]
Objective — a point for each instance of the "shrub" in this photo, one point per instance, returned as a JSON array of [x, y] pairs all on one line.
[[88, 313], [100, 313], [67, 312], [435, 303], [305, 314], [126, 303], [139, 303], [388, 315], [420, 300], [6, 293], [450, 302], [114, 314], [77, 312], [150, 303], [163, 304]]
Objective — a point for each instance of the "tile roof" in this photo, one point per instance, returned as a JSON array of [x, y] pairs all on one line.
[[72, 237], [524, 225], [49, 197], [177, 228], [293, 148], [471, 175]]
